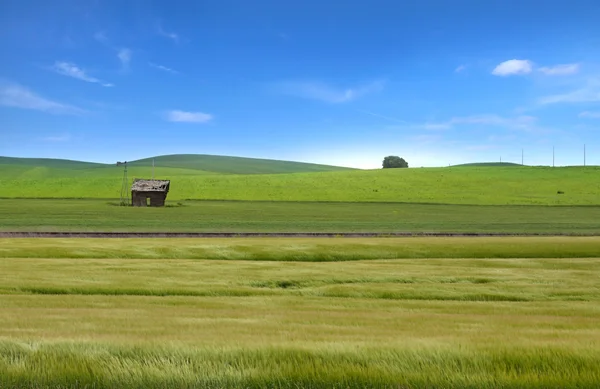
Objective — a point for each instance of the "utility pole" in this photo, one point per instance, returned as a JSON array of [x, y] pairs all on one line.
[[584, 154], [552, 156], [152, 169], [522, 152], [124, 184]]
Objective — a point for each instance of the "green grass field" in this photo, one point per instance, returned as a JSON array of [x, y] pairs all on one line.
[[300, 313], [197, 178], [509, 312], [302, 249], [250, 216]]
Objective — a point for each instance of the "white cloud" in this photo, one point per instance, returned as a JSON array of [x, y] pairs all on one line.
[[501, 138], [460, 68], [479, 147], [17, 96], [392, 119], [589, 93], [589, 114], [327, 93], [513, 67], [124, 56], [101, 37], [525, 123], [435, 126], [560, 70], [171, 35], [57, 138], [163, 68], [188, 117], [71, 70], [426, 138]]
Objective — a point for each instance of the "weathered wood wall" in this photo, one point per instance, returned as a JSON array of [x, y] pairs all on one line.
[[157, 199]]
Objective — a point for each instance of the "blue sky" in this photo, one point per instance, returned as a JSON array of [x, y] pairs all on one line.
[[338, 82]]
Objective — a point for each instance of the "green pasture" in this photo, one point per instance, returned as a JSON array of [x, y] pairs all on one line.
[[303, 249], [190, 179], [261, 313], [278, 216]]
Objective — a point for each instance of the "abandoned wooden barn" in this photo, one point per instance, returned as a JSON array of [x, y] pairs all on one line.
[[149, 193]]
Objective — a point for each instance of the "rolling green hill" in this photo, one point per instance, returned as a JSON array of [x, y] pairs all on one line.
[[233, 165], [48, 162], [488, 164], [450, 185], [196, 162]]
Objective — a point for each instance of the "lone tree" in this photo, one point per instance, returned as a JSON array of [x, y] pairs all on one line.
[[394, 161]]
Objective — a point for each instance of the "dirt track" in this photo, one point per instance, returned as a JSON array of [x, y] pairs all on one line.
[[260, 234]]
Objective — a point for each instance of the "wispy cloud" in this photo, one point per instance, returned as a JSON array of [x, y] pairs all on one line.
[[588, 93], [502, 138], [590, 115], [327, 93], [100, 36], [524, 123], [124, 56], [163, 68], [435, 126], [460, 68], [560, 70], [17, 96], [481, 147], [383, 116], [171, 35], [188, 117], [426, 138], [513, 67], [71, 70], [56, 138]]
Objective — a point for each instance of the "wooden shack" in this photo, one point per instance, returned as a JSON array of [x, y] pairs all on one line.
[[149, 193]]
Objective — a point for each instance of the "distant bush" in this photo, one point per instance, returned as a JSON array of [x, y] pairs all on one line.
[[394, 161]]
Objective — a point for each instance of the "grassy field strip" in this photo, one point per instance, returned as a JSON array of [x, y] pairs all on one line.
[[235, 216], [400, 279], [286, 341], [457, 185], [302, 249], [328, 318], [289, 321], [101, 365]]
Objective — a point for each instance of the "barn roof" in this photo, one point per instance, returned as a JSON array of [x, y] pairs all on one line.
[[141, 185]]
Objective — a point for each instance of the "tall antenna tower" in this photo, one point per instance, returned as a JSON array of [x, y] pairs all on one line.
[[124, 184]]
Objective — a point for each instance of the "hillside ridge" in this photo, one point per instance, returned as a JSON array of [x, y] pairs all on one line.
[[488, 164], [202, 162]]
